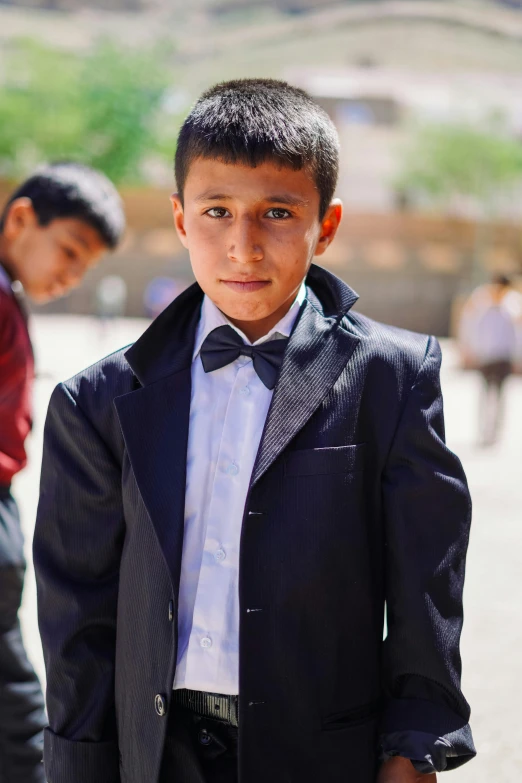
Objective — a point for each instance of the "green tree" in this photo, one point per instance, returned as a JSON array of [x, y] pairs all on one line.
[[477, 164], [103, 109], [39, 109], [121, 107]]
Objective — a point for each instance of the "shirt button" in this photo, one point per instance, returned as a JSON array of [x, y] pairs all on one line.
[[232, 469], [206, 642], [220, 555], [245, 391]]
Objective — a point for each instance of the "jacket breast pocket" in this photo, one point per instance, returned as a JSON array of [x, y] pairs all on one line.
[[335, 459]]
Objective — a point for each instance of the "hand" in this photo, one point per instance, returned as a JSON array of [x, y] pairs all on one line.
[[400, 770]]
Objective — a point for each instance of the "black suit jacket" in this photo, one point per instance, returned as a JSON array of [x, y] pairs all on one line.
[[354, 502]]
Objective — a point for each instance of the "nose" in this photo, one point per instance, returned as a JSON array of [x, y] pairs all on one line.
[[73, 276], [245, 245]]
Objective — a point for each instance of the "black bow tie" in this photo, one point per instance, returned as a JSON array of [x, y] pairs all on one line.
[[223, 346]]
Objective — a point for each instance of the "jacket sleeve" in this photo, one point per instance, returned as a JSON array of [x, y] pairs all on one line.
[[427, 516], [77, 549]]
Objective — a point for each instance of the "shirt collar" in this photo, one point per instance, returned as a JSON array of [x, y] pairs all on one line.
[[212, 318]]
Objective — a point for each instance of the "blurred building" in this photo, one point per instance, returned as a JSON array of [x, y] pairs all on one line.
[[374, 109]]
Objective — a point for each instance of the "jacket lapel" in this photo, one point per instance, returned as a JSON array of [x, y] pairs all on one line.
[[154, 420], [317, 352]]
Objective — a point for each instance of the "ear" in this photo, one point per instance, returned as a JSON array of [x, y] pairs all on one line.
[[179, 218], [329, 225], [20, 215]]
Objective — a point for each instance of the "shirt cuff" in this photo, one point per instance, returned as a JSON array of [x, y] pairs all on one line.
[[433, 737]]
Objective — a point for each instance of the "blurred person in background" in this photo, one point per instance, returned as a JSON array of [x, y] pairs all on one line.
[[159, 293], [55, 227], [489, 339], [111, 298], [110, 302]]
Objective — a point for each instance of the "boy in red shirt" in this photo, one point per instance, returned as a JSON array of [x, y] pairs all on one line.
[[55, 227]]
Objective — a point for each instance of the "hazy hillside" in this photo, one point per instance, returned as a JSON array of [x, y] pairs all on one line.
[[259, 38], [219, 7]]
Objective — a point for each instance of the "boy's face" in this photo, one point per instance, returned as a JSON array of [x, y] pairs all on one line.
[[252, 234], [48, 260]]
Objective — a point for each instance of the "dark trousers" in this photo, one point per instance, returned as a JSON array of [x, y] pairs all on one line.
[[198, 749], [494, 377], [22, 715]]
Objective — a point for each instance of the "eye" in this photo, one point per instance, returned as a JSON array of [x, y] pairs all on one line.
[[277, 213], [217, 212], [71, 254]]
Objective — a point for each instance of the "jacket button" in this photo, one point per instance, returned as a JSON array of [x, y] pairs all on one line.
[[171, 611], [204, 737], [160, 704]]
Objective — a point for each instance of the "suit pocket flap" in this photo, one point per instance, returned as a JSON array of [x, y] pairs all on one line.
[[337, 459]]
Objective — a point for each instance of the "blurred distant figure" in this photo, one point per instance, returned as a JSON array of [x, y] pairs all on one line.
[[55, 227], [111, 297], [159, 293], [489, 341]]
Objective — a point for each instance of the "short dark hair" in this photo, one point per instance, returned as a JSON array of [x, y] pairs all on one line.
[[251, 121], [71, 190]]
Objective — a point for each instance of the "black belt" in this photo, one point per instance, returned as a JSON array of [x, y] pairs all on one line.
[[209, 705]]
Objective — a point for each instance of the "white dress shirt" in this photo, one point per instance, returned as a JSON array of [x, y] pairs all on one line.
[[228, 409]]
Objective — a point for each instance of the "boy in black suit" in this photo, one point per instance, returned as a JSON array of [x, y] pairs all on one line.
[[228, 505]]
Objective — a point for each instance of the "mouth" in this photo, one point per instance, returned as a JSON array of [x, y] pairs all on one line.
[[52, 292], [246, 286]]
